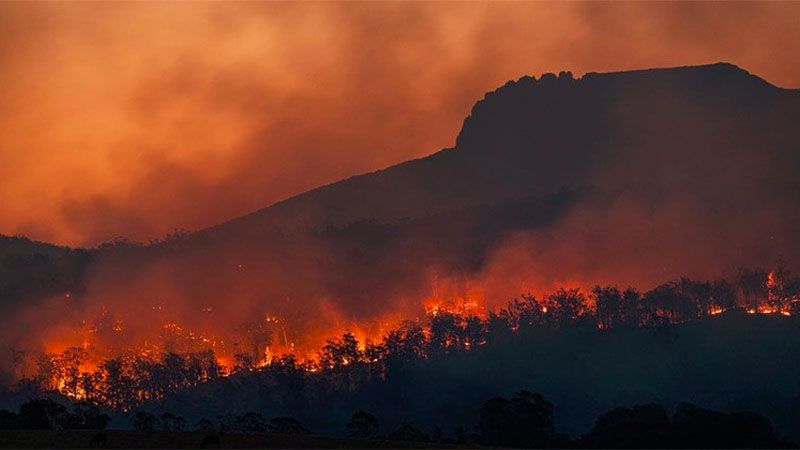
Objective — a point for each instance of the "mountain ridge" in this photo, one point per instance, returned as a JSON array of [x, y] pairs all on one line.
[[698, 77], [691, 172]]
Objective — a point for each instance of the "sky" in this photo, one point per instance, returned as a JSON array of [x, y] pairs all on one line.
[[135, 119]]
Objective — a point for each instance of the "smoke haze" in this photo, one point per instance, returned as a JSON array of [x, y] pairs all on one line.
[[138, 118]]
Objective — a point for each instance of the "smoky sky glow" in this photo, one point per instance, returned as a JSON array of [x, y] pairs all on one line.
[[138, 118]]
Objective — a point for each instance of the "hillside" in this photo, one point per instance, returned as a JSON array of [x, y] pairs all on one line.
[[632, 178], [535, 137], [729, 362]]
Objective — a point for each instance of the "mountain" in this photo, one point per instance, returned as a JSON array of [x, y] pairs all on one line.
[[536, 137], [30, 270], [629, 177]]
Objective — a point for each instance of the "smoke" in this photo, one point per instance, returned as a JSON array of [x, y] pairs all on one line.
[[135, 119], [152, 127]]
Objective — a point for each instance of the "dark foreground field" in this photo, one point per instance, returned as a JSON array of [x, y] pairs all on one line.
[[188, 439]]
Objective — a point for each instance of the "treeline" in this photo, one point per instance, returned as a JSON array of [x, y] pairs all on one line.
[[523, 421], [47, 414], [526, 421], [121, 382], [344, 363]]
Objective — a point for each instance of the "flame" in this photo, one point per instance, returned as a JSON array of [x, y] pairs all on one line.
[[259, 344]]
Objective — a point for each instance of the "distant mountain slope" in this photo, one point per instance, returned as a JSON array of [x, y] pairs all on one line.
[[630, 177], [535, 137], [31, 269]]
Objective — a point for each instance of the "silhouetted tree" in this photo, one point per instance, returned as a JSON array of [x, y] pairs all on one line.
[[668, 303], [403, 346], [87, 416], [341, 352], [566, 306], [698, 295], [119, 384], [695, 427], [287, 425], [753, 285], [446, 333], [68, 364], [171, 422], [778, 284], [608, 304], [723, 295], [205, 425], [251, 422], [498, 327], [42, 414], [362, 425], [526, 420], [344, 361], [526, 313], [243, 362], [643, 426], [631, 308]]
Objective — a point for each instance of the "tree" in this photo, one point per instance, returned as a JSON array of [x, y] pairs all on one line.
[[723, 296], [205, 425], [526, 313], [362, 425], [243, 362], [631, 308], [698, 295], [446, 332], [87, 416], [566, 306], [670, 303], [703, 428], [343, 361], [778, 282], [42, 414], [498, 327], [119, 384], [403, 346], [526, 420], [643, 426], [69, 363], [753, 285], [251, 422], [287, 425], [608, 304], [341, 352], [474, 332]]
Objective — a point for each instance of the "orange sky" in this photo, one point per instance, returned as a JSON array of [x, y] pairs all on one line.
[[137, 118]]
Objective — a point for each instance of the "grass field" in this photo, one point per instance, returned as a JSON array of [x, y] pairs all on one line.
[[189, 439]]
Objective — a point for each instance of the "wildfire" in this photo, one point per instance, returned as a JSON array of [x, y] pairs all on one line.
[[77, 360], [458, 305]]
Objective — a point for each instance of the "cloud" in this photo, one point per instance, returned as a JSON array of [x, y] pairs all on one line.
[[138, 118]]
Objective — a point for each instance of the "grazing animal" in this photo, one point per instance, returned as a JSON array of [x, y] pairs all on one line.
[[98, 440], [210, 441]]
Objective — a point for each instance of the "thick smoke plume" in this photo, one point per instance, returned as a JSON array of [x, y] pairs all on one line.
[[138, 118], [633, 179]]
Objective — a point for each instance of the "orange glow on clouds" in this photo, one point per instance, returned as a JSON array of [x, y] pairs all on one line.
[[138, 118]]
